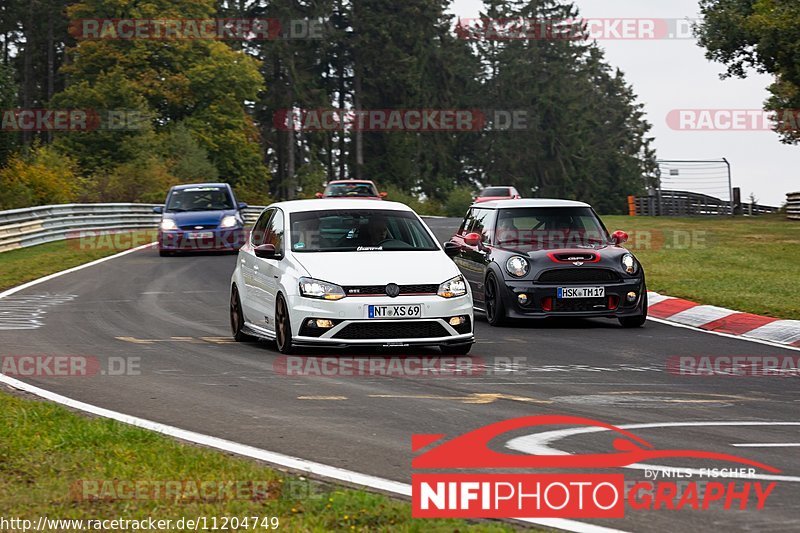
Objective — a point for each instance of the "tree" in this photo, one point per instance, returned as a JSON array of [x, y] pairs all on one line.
[[763, 35]]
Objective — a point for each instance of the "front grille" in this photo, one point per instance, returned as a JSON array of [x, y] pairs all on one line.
[[580, 304], [392, 330], [578, 275], [198, 227], [375, 290]]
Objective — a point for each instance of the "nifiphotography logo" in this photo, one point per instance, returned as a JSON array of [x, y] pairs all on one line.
[[494, 487]]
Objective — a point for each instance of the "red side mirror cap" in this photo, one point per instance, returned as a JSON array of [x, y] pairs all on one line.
[[318, 195], [472, 239], [619, 237], [384, 194]]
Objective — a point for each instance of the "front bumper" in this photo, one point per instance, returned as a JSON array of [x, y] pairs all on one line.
[[220, 240], [352, 328], [538, 293]]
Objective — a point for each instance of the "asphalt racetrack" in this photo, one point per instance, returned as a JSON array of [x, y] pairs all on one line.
[[170, 317]]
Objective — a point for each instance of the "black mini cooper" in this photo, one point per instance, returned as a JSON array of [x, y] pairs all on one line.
[[542, 258]]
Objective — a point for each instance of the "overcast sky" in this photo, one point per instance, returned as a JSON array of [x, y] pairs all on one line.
[[674, 74]]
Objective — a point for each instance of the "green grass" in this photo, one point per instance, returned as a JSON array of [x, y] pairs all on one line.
[[45, 449], [746, 264], [26, 264]]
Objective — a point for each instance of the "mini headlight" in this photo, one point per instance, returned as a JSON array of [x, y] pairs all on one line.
[[321, 290], [228, 222], [168, 224], [453, 288], [518, 266], [629, 264]]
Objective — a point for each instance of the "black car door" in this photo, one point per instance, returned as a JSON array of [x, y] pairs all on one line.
[[473, 260]]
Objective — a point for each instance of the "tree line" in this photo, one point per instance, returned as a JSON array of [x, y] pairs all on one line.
[[210, 109]]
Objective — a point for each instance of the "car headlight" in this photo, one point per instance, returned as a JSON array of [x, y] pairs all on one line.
[[228, 222], [168, 224], [453, 288], [629, 264], [518, 266], [321, 290]]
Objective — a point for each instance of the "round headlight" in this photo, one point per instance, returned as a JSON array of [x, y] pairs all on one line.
[[168, 224], [629, 264], [518, 266]]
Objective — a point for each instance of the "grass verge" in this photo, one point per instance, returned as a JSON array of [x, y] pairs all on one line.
[[51, 458], [746, 264], [26, 264]]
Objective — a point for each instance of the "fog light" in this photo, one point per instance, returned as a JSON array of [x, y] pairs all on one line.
[[321, 323], [457, 320], [522, 299], [632, 296]]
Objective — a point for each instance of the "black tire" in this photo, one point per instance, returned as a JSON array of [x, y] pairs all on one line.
[[495, 309], [283, 327], [460, 349], [164, 253], [237, 318], [638, 320]]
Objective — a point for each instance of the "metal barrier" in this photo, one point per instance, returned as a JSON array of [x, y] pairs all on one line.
[[685, 203], [37, 225], [793, 205]]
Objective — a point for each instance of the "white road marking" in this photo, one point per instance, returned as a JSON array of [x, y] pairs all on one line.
[[27, 311], [768, 445], [540, 444], [701, 314]]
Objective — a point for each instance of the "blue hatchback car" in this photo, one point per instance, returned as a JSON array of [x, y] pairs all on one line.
[[200, 217]]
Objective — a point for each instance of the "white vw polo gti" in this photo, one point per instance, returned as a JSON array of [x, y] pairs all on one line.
[[348, 272]]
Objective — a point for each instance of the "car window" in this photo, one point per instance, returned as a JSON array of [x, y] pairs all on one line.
[[467, 223], [274, 231], [351, 189], [484, 224], [495, 191], [259, 230], [199, 199], [362, 230], [549, 226]]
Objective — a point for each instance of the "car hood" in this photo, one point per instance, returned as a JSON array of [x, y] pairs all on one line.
[[199, 218], [379, 268]]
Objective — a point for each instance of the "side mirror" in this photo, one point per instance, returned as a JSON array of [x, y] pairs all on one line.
[[451, 249], [383, 194], [619, 237], [472, 239], [266, 251], [318, 195], [158, 210], [242, 205]]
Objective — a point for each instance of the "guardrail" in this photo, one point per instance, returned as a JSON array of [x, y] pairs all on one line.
[[685, 203], [793, 205], [37, 225]]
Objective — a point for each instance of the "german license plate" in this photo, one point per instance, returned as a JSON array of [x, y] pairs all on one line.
[[197, 235], [581, 292], [394, 311]]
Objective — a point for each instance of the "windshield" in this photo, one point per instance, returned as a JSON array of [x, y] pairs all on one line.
[[496, 191], [549, 227], [199, 199], [351, 189], [359, 230]]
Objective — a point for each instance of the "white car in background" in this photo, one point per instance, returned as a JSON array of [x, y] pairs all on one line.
[[341, 273]]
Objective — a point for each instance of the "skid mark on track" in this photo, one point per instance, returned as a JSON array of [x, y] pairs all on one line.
[[24, 312]]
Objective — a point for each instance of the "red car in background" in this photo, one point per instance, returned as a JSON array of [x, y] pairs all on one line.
[[352, 189], [497, 193]]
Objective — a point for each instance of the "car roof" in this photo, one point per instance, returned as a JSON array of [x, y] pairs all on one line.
[[350, 181], [192, 185], [326, 204], [530, 202]]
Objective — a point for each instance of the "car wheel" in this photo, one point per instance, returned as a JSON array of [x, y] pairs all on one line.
[[495, 310], [283, 327], [237, 318], [164, 253], [460, 349], [638, 320]]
